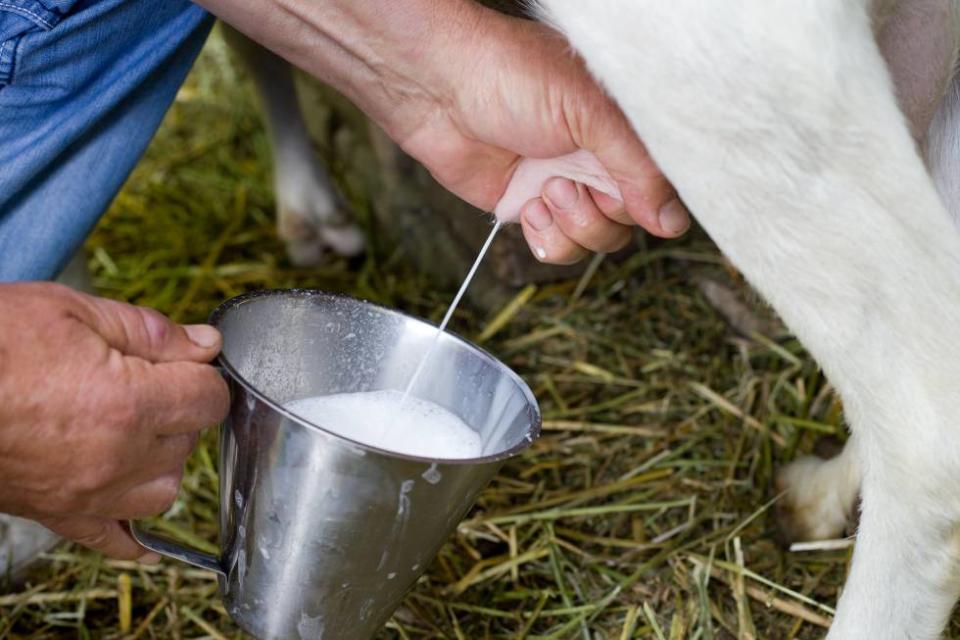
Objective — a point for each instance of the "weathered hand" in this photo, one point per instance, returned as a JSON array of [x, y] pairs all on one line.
[[470, 92], [513, 89], [100, 404]]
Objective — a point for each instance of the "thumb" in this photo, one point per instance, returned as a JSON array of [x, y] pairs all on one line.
[[148, 334], [649, 199]]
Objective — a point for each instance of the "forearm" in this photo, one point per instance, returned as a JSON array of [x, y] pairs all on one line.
[[386, 57]]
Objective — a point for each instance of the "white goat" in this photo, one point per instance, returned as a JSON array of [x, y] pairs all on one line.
[[778, 122]]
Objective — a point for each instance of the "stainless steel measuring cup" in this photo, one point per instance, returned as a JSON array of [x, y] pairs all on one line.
[[320, 536]]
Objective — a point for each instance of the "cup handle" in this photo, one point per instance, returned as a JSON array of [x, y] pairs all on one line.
[[173, 549]]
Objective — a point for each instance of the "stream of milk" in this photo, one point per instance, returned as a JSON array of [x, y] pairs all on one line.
[[451, 309], [397, 421]]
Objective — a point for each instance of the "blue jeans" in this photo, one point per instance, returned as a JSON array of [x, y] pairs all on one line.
[[84, 85]]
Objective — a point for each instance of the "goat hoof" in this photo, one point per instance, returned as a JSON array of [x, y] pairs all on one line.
[[816, 503], [307, 241]]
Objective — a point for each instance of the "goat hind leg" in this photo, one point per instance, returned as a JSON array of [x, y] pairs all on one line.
[[310, 213], [778, 124], [919, 40], [820, 495]]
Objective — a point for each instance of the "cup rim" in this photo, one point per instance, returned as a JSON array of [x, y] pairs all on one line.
[[224, 363]]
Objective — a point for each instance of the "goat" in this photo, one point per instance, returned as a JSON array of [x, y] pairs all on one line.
[[779, 125]]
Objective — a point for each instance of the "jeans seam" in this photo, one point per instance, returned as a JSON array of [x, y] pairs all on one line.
[[10, 49], [6, 75], [16, 9]]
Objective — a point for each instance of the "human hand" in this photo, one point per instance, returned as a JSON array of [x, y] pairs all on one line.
[[100, 404], [514, 90], [469, 93]]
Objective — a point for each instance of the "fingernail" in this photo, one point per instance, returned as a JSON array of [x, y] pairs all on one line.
[[538, 216], [562, 193], [202, 335], [674, 218], [150, 558]]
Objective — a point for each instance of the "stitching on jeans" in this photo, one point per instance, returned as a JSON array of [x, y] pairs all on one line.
[[4, 77], [15, 8], [14, 56]]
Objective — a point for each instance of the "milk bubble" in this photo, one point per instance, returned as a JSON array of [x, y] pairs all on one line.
[[387, 420]]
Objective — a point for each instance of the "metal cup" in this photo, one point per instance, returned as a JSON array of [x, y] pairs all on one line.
[[321, 536]]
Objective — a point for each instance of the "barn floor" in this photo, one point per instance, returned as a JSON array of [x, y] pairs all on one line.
[[644, 511]]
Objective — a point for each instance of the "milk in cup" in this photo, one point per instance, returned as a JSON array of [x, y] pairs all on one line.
[[387, 420]]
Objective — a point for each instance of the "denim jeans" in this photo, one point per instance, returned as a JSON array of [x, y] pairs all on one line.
[[84, 85]]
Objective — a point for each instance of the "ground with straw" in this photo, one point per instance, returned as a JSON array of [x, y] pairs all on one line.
[[644, 511]]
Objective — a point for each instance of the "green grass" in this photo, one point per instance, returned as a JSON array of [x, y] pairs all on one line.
[[644, 511]]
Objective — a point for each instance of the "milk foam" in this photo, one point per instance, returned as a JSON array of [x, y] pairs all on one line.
[[384, 419]]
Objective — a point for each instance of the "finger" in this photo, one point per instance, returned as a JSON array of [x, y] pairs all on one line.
[[166, 457], [168, 454], [178, 397], [107, 536], [148, 334], [611, 207], [648, 197], [545, 237], [147, 499], [575, 212]]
